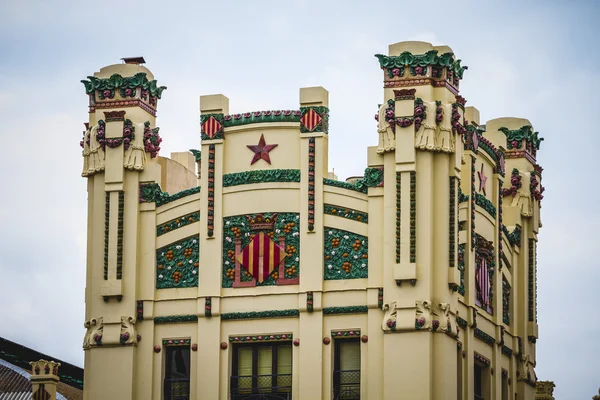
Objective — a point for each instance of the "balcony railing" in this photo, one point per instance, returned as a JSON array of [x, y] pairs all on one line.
[[177, 389], [346, 385], [261, 387]]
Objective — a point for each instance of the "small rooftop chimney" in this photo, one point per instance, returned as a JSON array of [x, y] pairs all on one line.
[[134, 60]]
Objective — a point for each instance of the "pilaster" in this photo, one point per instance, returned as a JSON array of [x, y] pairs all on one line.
[[314, 106], [212, 110]]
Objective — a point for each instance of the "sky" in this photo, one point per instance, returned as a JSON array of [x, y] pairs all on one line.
[[532, 59]]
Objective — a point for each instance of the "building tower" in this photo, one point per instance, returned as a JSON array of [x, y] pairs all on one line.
[[120, 147]]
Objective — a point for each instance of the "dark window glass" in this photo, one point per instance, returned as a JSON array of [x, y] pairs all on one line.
[[346, 370], [262, 371], [177, 373], [478, 383]]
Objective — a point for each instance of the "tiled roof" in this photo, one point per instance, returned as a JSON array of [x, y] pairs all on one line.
[[71, 376], [11, 381]]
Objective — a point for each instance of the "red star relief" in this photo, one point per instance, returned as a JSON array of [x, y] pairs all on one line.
[[261, 150], [482, 180]]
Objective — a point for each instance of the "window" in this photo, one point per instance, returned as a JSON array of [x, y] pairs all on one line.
[[459, 374], [504, 385], [346, 369], [481, 381], [262, 371], [478, 382], [177, 373]]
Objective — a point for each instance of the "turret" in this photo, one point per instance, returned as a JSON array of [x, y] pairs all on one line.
[[120, 151]]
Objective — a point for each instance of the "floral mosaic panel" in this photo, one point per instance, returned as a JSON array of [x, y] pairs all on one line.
[[275, 225], [345, 255], [177, 264]]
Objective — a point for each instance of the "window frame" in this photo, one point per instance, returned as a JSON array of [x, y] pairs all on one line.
[[167, 370], [336, 379], [255, 388]]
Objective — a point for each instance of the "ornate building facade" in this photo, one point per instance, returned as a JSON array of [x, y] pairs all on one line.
[[245, 270]]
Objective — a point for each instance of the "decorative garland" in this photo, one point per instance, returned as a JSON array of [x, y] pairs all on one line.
[[461, 196], [531, 275], [311, 184], [309, 302], [495, 155], [177, 223], [126, 85], [373, 177], [165, 198], [345, 185], [500, 225], [461, 322], [515, 138], [439, 112], [261, 176], [452, 221], [505, 302], [345, 255], [533, 184], [152, 140], [461, 268], [514, 237], [481, 359], [346, 310], [150, 193], [473, 192], [197, 154], [261, 338], [106, 226], [390, 115], [177, 264], [347, 213], [380, 298], [413, 216], [174, 319], [515, 183], [420, 64], [471, 136], [486, 204], [420, 112], [256, 117], [507, 351], [211, 191], [346, 334], [260, 314], [484, 337], [140, 310], [128, 133], [398, 215], [120, 234], [176, 342], [208, 306], [100, 134]]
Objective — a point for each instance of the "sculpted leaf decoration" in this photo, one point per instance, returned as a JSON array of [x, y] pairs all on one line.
[[117, 81], [445, 60]]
